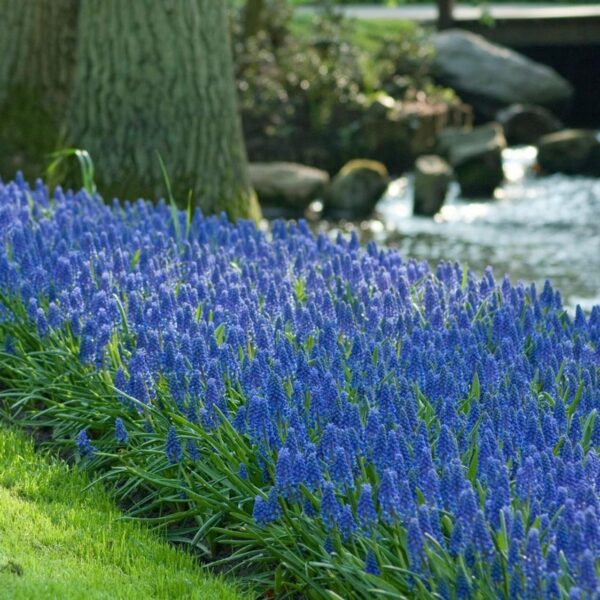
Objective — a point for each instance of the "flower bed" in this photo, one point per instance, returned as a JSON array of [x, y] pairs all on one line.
[[320, 417]]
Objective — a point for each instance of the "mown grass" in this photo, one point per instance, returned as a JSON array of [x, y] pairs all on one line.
[[61, 540], [367, 34]]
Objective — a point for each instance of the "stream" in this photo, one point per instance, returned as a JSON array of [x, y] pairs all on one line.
[[536, 228]]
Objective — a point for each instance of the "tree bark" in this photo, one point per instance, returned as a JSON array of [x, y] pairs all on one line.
[[445, 14], [37, 58], [128, 82], [253, 17], [156, 79]]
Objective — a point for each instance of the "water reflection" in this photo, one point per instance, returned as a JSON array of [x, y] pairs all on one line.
[[536, 228]]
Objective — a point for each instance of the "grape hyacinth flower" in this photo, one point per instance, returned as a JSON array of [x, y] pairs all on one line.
[[121, 435], [173, 449], [84, 445], [371, 398]]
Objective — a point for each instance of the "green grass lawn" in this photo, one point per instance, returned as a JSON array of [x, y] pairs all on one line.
[[61, 541], [366, 33], [370, 36]]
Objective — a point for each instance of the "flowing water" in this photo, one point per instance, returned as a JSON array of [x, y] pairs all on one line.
[[536, 228]]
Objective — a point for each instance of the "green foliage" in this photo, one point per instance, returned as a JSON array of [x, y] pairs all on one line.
[[312, 80], [55, 170], [206, 504], [50, 373], [61, 540], [171, 199]]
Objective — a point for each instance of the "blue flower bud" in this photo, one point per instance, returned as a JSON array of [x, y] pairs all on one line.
[[121, 434], [84, 445], [173, 450], [367, 515]]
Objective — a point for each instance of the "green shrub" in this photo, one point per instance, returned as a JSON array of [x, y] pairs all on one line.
[[306, 83]]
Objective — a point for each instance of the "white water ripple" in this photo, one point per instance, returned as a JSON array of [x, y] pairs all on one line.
[[536, 228]]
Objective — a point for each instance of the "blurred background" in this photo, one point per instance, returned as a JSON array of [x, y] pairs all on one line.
[[461, 132]]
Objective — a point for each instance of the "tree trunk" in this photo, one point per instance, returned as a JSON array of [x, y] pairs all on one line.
[[37, 57], [156, 79], [127, 81], [253, 17], [445, 16]]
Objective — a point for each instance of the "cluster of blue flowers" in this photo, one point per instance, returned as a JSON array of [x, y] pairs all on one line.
[[380, 398]]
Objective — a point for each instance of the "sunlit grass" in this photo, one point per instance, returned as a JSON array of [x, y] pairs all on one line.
[[58, 540], [367, 34]]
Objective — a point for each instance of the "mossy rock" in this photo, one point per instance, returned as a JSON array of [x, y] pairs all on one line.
[[571, 151], [432, 178], [286, 189], [476, 157], [480, 176], [356, 189], [526, 124]]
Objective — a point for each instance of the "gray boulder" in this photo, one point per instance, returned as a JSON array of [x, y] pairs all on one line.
[[490, 76], [526, 124], [286, 189], [571, 151], [432, 178], [356, 189], [476, 157]]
